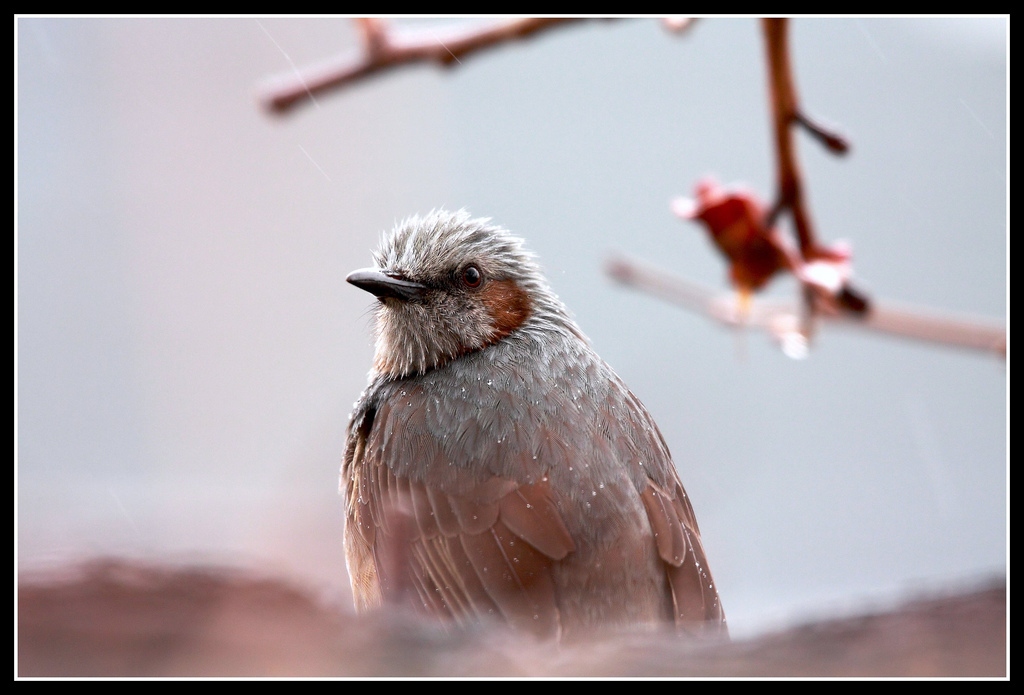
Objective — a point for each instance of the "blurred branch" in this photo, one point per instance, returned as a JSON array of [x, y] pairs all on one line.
[[678, 25], [786, 112], [744, 230], [782, 320], [385, 48]]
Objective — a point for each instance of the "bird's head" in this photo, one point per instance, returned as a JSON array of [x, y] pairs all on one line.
[[449, 284]]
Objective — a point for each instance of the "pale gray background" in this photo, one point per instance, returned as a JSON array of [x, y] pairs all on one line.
[[188, 350]]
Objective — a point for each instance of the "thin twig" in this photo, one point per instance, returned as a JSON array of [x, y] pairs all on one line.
[[385, 48], [834, 142], [781, 318]]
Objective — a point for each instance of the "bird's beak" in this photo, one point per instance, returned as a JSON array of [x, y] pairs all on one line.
[[383, 285]]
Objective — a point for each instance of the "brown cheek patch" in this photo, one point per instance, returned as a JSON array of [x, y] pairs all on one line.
[[507, 304]]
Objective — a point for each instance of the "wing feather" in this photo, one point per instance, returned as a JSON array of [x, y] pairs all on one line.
[[516, 576], [530, 512], [697, 608]]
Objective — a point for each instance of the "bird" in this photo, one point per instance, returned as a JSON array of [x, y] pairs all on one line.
[[496, 470]]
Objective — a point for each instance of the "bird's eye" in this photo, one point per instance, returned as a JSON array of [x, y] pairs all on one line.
[[471, 276]]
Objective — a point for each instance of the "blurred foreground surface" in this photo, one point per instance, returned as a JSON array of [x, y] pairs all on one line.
[[120, 618]]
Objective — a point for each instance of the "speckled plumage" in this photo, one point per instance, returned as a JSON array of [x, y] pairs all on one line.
[[496, 467]]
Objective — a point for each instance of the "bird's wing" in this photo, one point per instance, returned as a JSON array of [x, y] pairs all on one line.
[[465, 540], [697, 608], [461, 550]]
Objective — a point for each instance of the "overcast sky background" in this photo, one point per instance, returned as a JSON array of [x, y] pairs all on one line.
[[188, 350]]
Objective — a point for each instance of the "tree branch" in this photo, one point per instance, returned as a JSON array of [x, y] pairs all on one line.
[[384, 49], [786, 111], [782, 320]]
